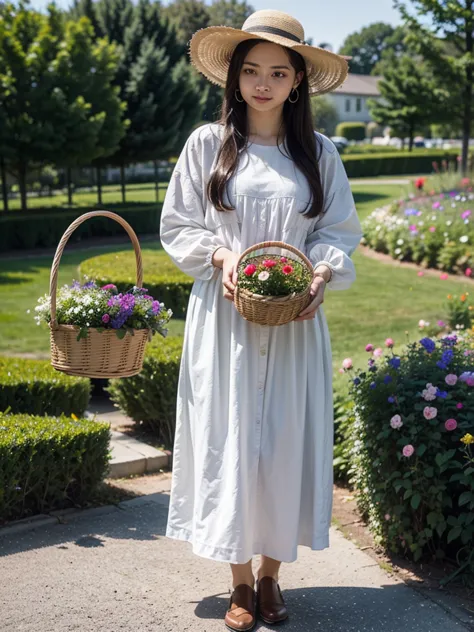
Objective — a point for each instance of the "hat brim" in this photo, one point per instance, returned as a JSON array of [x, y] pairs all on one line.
[[211, 50]]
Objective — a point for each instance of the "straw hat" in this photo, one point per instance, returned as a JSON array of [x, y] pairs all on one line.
[[211, 49]]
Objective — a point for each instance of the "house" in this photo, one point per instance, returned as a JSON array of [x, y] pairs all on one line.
[[350, 99]]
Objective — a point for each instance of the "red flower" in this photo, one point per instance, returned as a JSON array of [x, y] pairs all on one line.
[[283, 259], [269, 263], [250, 269], [465, 182], [419, 183], [287, 269]]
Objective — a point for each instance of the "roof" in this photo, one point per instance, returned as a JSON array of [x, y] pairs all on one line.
[[363, 85]]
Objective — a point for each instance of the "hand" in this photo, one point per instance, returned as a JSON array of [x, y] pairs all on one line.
[[229, 261], [317, 291]]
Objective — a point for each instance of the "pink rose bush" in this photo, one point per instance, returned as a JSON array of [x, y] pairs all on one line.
[[407, 443], [432, 228], [273, 275], [89, 306]]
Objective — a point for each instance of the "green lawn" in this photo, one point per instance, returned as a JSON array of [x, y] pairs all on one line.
[[385, 301]]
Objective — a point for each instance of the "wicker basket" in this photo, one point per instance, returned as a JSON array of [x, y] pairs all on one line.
[[99, 355], [272, 310]]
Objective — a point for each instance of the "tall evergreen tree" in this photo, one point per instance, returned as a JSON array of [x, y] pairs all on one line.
[[451, 60], [410, 98]]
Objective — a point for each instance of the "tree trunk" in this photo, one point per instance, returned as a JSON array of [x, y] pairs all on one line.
[[22, 183], [69, 186], [410, 136], [122, 180], [157, 181], [466, 124], [99, 185], [4, 184]]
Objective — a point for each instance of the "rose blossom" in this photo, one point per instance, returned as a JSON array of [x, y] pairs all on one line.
[[347, 363], [451, 424], [408, 450], [378, 352], [451, 379], [287, 269], [250, 269], [269, 263], [459, 406], [283, 259], [429, 412], [389, 343], [396, 422], [369, 347], [105, 318]]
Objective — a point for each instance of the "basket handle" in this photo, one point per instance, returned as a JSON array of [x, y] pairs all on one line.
[[279, 244], [53, 280]]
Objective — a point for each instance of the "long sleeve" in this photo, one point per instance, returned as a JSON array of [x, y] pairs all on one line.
[[183, 233], [338, 231]]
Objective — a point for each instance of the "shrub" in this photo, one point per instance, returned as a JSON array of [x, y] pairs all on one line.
[[392, 164], [45, 227], [162, 278], [351, 131], [150, 397], [34, 387], [343, 421], [49, 463], [411, 458]]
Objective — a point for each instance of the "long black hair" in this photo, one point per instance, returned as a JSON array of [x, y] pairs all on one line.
[[297, 117]]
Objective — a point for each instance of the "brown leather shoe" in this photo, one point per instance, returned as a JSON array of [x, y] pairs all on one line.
[[241, 614], [270, 603]]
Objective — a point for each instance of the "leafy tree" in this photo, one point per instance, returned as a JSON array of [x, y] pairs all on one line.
[[56, 100], [325, 115], [370, 45], [410, 98], [443, 33]]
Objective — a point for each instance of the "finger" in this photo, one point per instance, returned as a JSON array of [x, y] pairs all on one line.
[[311, 307], [230, 286]]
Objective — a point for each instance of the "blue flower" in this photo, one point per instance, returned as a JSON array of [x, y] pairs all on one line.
[[391, 399], [356, 381], [411, 211], [373, 384], [387, 379], [442, 394], [395, 362], [428, 344], [441, 365], [450, 340]]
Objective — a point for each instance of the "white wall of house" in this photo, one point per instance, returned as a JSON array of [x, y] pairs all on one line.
[[351, 107]]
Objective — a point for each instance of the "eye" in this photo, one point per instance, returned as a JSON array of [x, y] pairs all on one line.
[[280, 73]]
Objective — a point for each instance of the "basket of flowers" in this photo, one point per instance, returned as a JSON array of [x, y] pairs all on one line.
[[99, 332], [273, 283]]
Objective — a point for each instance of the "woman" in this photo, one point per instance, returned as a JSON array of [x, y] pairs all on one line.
[[252, 466]]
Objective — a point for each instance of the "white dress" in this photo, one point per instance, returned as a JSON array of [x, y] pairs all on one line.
[[253, 451]]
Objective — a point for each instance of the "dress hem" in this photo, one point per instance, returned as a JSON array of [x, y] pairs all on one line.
[[235, 556]]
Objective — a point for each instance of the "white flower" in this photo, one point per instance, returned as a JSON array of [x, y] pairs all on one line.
[[91, 311], [464, 239], [400, 242], [397, 251], [449, 222], [263, 276]]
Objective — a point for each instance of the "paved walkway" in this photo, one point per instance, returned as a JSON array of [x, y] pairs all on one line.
[[105, 572]]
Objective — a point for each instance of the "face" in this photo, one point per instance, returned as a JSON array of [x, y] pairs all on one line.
[[267, 72]]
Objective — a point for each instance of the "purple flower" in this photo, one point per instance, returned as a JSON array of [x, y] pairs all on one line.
[[411, 211], [391, 399], [155, 307], [109, 286], [395, 362], [428, 344], [88, 285], [449, 341], [105, 318], [466, 214]]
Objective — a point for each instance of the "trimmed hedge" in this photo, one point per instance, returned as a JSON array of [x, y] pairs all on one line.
[[45, 227], [150, 397], [403, 163], [352, 131], [34, 387], [49, 463], [163, 280]]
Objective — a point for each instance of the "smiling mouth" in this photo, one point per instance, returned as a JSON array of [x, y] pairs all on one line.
[[263, 98]]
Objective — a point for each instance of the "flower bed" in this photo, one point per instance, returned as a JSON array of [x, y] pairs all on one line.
[[410, 445], [49, 463], [34, 387], [434, 229]]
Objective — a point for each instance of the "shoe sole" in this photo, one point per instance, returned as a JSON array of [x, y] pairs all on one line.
[[240, 629], [274, 622]]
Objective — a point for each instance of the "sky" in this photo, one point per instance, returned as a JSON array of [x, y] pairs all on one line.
[[322, 20]]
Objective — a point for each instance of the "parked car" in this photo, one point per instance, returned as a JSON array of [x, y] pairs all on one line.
[[341, 142]]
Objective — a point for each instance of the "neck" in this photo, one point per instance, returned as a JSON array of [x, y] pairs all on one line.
[[265, 125]]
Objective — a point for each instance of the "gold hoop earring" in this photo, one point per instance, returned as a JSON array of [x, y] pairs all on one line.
[[297, 97], [237, 98]]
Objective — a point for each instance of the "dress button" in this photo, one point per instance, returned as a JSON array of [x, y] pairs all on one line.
[[263, 351]]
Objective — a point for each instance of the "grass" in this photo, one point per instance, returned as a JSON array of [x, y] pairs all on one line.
[[385, 301]]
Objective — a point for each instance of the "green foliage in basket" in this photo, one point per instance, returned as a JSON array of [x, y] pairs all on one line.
[[34, 387], [49, 463], [92, 306], [161, 276], [432, 230], [270, 275], [150, 397], [411, 445]]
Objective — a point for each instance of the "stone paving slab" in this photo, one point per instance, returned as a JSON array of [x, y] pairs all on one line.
[[118, 571]]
